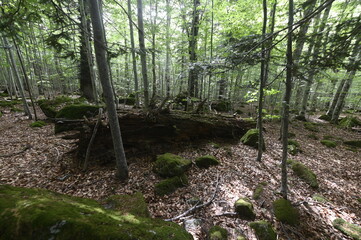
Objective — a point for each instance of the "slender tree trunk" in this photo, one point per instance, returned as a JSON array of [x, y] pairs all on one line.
[[167, 57], [143, 53], [103, 68], [286, 103], [335, 97]]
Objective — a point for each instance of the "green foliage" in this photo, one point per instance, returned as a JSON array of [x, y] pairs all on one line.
[[349, 122], [217, 233], [304, 173], [272, 118], [329, 143], [311, 126], [285, 212], [47, 215], [78, 111], [264, 230], [37, 124], [170, 165], [259, 190], [349, 229], [170, 185], [244, 208], [206, 161], [251, 138]]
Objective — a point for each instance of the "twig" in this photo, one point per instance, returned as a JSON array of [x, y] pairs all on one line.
[[196, 206], [87, 155], [227, 214]]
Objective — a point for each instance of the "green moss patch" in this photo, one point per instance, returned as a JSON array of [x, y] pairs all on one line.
[[293, 147], [50, 107], [349, 122], [311, 126], [217, 233], [313, 136], [319, 198], [285, 212], [206, 161], [264, 230], [251, 138], [78, 111], [170, 185], [134, 204], [41, 214], [259, 190], [349, 229], [244, 208], [325, 118], [329, 143], [353, 143], [304, 173], [37, 124], [9, 104], [170, 165]]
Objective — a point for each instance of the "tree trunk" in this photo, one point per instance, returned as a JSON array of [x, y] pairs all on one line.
[[103, 68], [167, 57]]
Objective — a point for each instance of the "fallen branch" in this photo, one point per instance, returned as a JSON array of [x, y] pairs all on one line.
[[196, 206]]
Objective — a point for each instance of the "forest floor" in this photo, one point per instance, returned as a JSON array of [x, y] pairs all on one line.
[[35, 157]]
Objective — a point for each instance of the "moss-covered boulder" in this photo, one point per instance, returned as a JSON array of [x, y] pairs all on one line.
[[304, 173], [10, 103], [264, 230], [41, 214], [293, 147], [328, 143], [313, 136], [50, 107], [206, 161], [170, 165], [222, 105], [349, 122], [285, 212], [170, 185], [251, 139], [311, 126], [78, 111], [130, 100], [259, 190], [325, 118], [217, 233], [353, 143], [244, 208], [351, 230], [38, 124]]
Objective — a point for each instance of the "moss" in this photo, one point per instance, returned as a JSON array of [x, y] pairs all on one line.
[[1, 114], [37, 124], [304, 173], [50, 107], [222, 106], [359, 200], [170, 185], [259, 190], [329, 143], [325, 118], [291, 135], [313, 136], [206, 161], [15, 109], [217, 233], [319, 198], [251, 138], [244, 208], [130, 100], [215, 145], [241, 238], [9, 104], [353, 143], [310, 126], [42, 214], [285, 212], [349, 122], [4, 94], [78, 111], [272, 118], [264, 230], [169, 165], [349, 229], [293, 146]]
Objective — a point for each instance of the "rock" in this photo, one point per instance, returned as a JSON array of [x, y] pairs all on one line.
[[259, 190], [170, 165], [319, 198], [244, 209], [311, 126], [349, 229], [251, 138], [206, 161], [192, 224], [285, 212], [78, 111], [217, 233], [328, 143], [42, 214], [353, 143], [293, 146], [170, 185], [264, 230], [304, 173], [50, 107], [222, 105], [349, 122]]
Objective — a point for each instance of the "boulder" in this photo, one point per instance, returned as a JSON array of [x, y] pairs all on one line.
[[328, 143], [170, 165], [206, 161], [244, 209], [351, 230], [264, 230], [251, 138], [304, 173], [217, 233], [170, 185], [285, 212]]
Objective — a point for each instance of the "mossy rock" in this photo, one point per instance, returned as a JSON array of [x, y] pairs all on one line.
[[313, 136], [42, 214], [353, 143], [15, 109], [37, 124], [311, 126], [134, 204], [251, 138], [217, 233], [285, 212], [349, 122], [130, 100], [170, 165], [4, 94], [222, 106], [9, 104], [1, 114], [351, 230], [259, 190], [325, 118], [206, 161], [241, 238], [329, 143], [319, 198], [264, 230], [78, 111], [244, 208], [304, 173], [50, 107], [170, 185], [293, 146]]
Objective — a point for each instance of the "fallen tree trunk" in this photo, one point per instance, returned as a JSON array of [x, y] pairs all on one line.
[[145, 135]]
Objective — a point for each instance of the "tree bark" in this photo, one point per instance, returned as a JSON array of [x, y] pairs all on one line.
[[103, 68], [167, 57]]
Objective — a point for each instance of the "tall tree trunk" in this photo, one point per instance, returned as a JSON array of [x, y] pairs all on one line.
[[211, 52], [335, 97], [103, 68], [286, 102], [167, 57], [134, 60], [143, 53]]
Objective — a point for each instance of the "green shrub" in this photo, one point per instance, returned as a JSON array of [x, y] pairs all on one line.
[[9, 104], [285, 212], [37, 124], [329, 143], [319, 198], [325, 118], [313, 136]]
